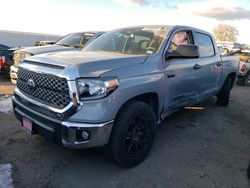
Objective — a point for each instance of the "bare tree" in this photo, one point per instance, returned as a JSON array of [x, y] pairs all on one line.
[[224, 32]]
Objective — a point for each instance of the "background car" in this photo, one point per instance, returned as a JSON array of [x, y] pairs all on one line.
[[5, 59], [244, 68], [44, 43], [71, 42]]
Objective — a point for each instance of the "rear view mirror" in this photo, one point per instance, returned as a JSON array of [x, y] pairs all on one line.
[[184, 51]]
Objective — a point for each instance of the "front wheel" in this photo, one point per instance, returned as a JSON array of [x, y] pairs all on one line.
[[133, 134], [224, 94]]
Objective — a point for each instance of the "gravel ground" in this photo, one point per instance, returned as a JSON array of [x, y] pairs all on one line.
[[203, 148], [6, 87]]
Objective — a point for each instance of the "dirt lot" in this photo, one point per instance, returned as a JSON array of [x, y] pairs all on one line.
[[203, 148], [6, 87]]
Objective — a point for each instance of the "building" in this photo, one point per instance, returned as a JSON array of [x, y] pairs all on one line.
[[229, 45]]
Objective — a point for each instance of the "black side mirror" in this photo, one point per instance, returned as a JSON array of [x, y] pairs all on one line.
[[184, 51]]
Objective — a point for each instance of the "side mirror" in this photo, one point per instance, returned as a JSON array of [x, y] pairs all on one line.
[[184, 51]]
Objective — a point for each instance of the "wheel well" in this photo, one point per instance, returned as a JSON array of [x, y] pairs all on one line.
[[150, 98]]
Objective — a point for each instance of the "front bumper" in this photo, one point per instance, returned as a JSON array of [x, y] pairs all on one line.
[[98, 134], [69, 134]]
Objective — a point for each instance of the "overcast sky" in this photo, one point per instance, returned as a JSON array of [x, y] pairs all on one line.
[[65, 16]]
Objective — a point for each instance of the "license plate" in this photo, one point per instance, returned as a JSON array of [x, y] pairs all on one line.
[[27, 125]]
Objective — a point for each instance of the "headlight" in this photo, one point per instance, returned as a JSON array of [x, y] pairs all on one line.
[[19, 57], [96, 88], [26, 55]]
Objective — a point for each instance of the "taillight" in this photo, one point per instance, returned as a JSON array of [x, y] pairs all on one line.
[[243, 68], [2, 61], [243, 59]]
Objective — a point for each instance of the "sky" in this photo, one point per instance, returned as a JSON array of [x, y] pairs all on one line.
[[65, 16]]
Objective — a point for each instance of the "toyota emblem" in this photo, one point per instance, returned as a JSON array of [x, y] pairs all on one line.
[[31, 83]]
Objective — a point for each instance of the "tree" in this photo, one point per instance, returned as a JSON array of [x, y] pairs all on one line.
[[224, 32]]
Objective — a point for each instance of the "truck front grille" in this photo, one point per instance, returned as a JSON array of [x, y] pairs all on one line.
[[47, 89]]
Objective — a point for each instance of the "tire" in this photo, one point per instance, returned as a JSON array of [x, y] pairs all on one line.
[[248, 171], [247, 79], [240, 82], [133, 134], [224, 94]]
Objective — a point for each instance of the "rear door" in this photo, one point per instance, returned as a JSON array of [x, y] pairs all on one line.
[[210, 64]]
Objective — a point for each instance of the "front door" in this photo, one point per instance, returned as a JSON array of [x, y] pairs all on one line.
[[182, 79]]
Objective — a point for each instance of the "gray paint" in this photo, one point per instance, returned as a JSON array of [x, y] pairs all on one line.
[[82, 64], [45, 49]]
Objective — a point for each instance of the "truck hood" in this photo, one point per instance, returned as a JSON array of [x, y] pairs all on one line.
[[46, 49], [74, 64]]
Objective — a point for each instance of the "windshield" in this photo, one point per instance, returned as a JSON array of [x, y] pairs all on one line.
[[75, 39], [139, 40]]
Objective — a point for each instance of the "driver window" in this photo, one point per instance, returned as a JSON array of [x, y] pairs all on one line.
[[179, 38]]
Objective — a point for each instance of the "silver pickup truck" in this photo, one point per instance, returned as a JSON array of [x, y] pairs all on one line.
[[116, 90]]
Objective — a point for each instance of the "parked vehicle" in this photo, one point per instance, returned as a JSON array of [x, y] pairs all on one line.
[[244, 77], [71, 42], [3, 50], [44, 43], [5, 60], [118, 88]]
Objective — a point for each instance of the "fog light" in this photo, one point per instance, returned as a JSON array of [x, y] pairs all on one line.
[[82, 135], [85, 135]]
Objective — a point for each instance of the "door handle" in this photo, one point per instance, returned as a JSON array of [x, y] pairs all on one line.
[[219, 63], [196, 66], [171, 75]]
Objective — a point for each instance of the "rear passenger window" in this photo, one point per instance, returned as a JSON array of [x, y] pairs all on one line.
[[205, 44]]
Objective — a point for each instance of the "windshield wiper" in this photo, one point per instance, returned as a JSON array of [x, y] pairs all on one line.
[[78, 46]]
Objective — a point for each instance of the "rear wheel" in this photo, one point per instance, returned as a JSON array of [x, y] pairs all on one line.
[[224, 94], [240, 82], [133, 134], [247, 79], [248, 171]]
